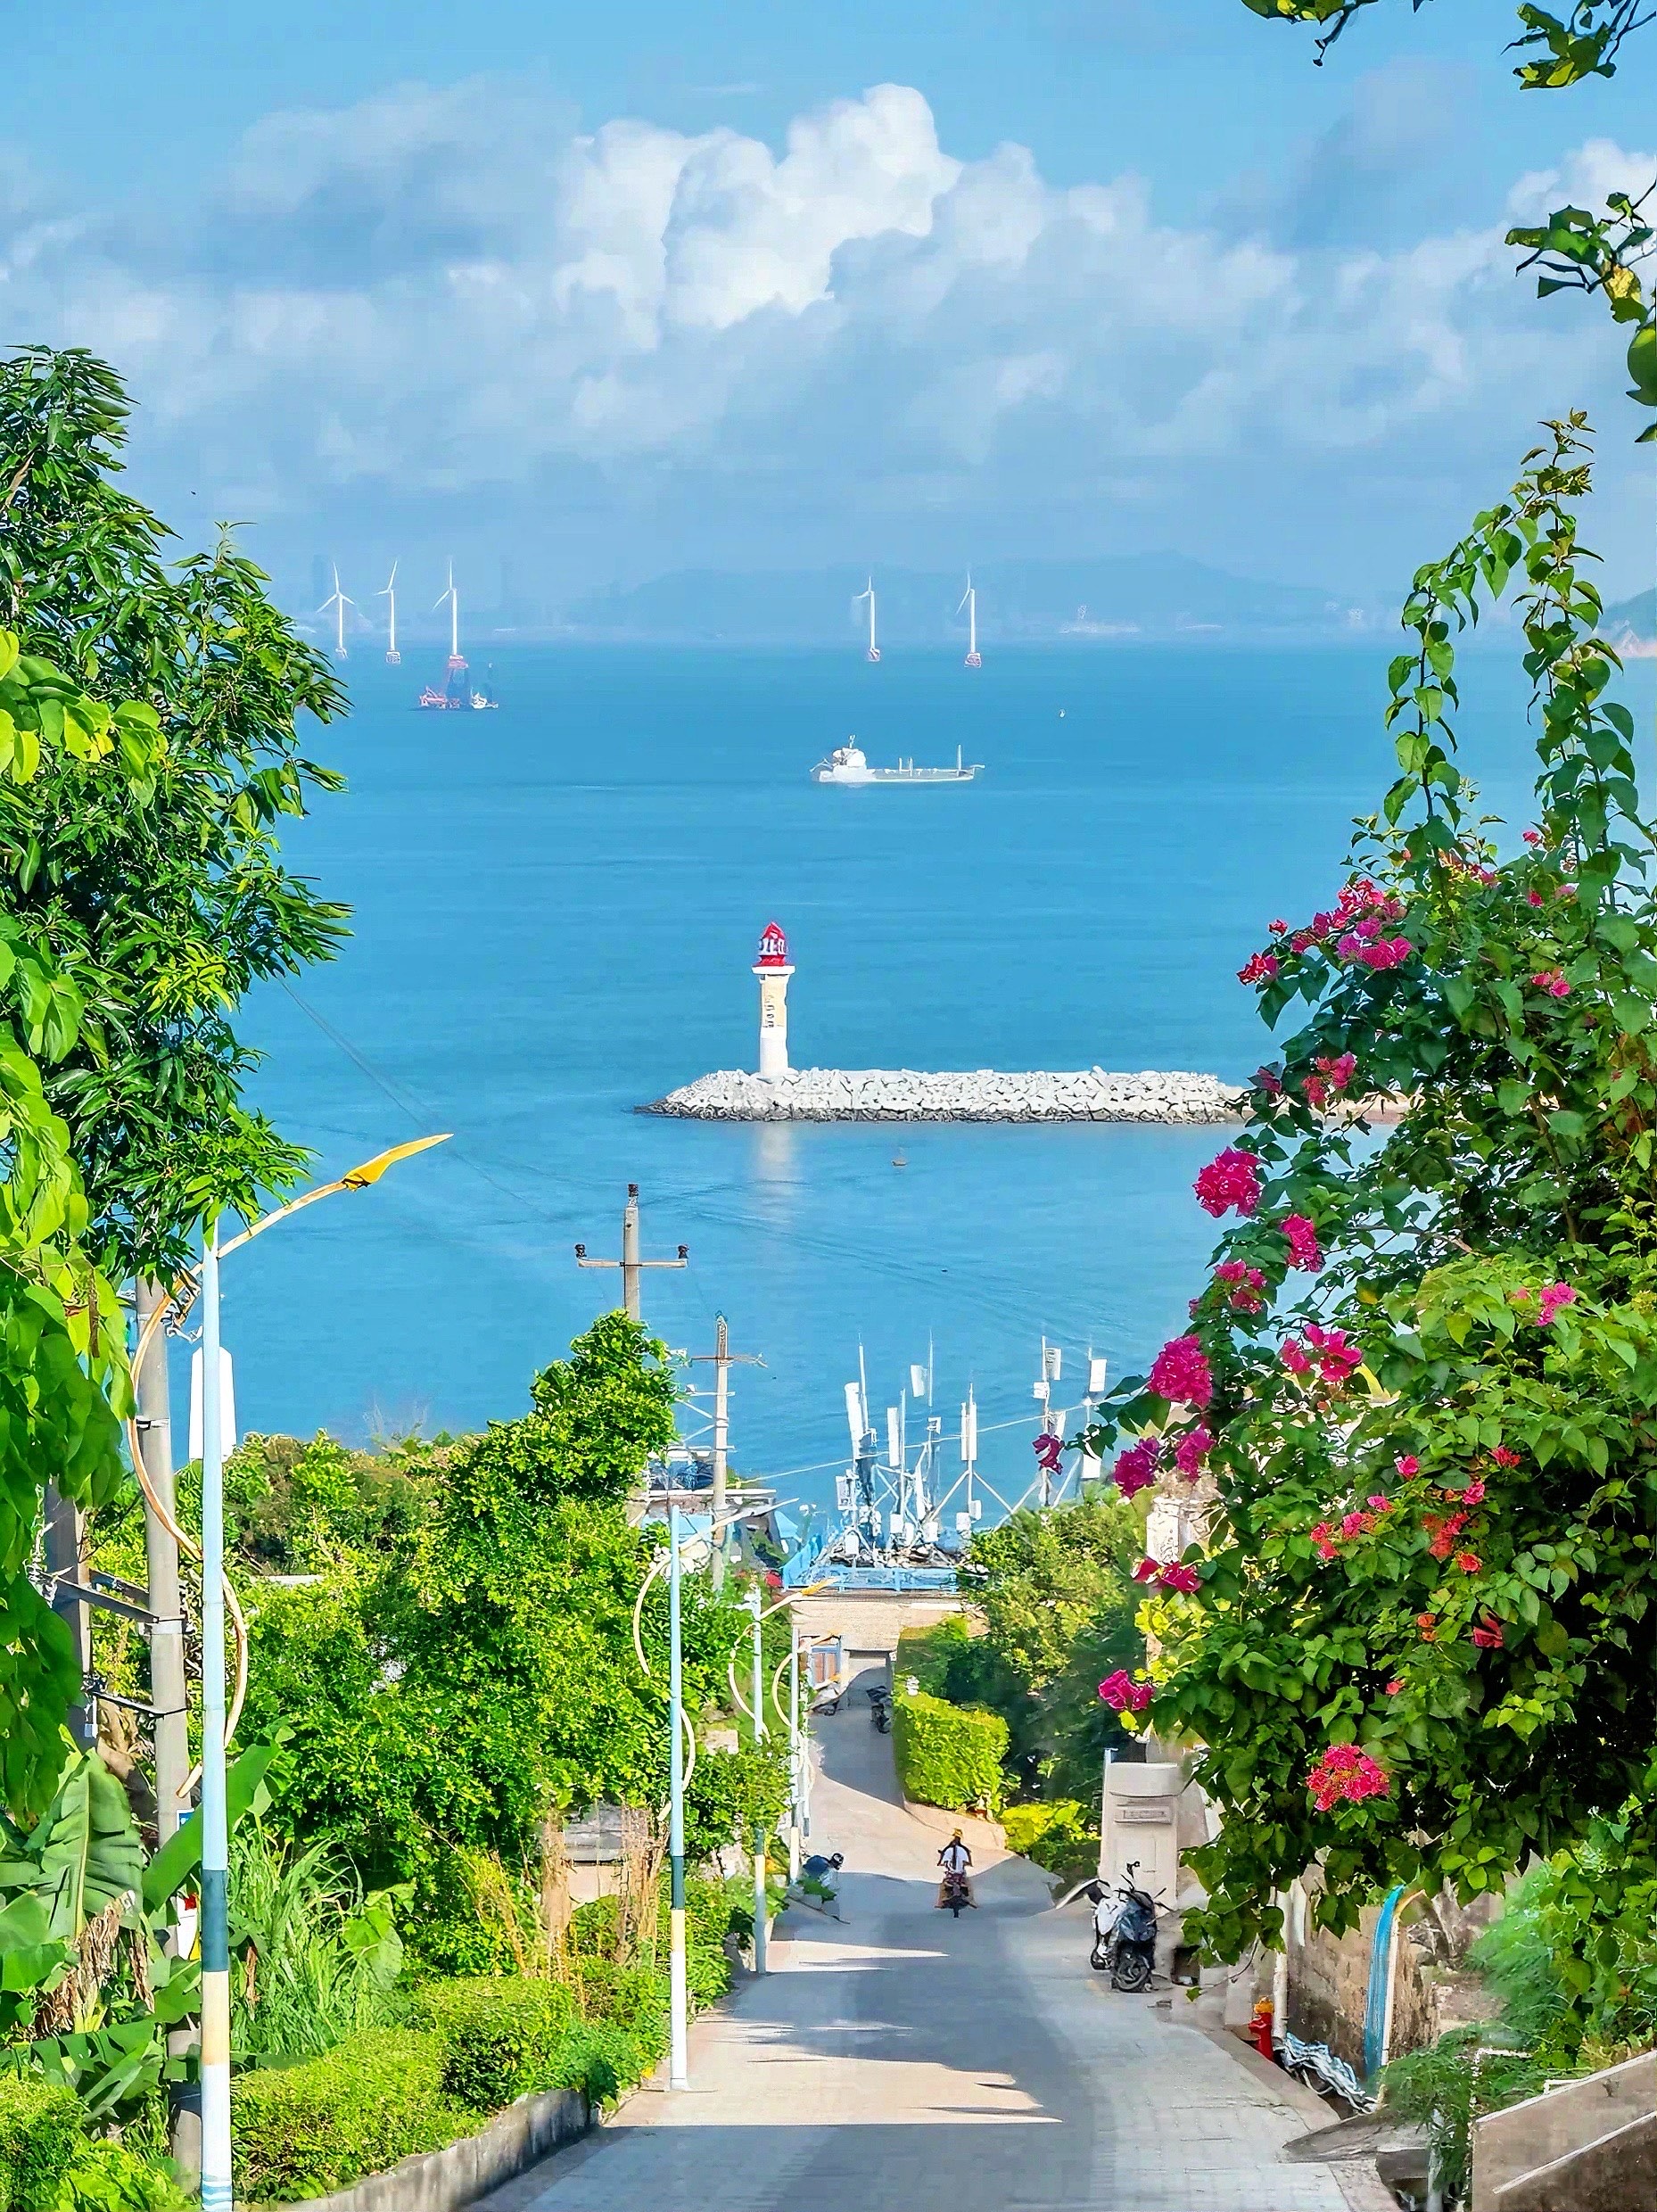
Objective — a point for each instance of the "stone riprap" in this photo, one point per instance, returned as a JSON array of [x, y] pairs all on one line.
[[900, 1094]]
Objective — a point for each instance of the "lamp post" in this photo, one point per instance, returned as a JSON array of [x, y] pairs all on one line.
[[215, 1920], [678, 2076], [762, 1931]]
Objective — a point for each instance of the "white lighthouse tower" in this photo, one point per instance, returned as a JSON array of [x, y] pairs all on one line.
[[773, 969]]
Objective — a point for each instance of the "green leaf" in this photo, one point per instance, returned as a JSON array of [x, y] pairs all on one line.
[[180, 1856]]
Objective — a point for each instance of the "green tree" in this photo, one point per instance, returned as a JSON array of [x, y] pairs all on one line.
[[1059, 1607], [1575, 249], [1423, 1645], [160, 891]]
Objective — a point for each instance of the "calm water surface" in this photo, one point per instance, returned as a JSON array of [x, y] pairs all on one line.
[[556, 910]]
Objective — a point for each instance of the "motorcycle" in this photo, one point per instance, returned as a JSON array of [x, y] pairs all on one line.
[[1125, 1934], [955, 1893], [881, 1710]]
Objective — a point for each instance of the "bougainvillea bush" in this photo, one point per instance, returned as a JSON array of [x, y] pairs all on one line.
[[1421, 1384]]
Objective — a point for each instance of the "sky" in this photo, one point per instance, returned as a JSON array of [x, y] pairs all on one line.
[[583, 295]]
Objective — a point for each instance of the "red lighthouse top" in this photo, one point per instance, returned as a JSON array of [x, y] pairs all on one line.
[[773, 948]]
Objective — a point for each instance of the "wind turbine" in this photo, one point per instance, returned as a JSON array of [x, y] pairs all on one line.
[[450, 594], [970, 600], [869, 593], [337, 600], [394, 659]]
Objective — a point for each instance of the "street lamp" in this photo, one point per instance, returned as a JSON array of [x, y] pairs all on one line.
[[679, 1774], [215, 1920]]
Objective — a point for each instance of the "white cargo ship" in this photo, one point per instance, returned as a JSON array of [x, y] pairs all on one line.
[[849, 764]]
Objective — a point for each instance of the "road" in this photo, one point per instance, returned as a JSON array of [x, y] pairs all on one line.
[[900, 2061]]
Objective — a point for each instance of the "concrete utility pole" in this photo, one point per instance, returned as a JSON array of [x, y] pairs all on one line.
[[723, 1359], [631, 1265], [160, 1547]]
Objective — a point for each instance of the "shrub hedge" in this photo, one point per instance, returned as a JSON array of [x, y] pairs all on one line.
[[1060, 1834], [301, 2130], [39, 2135], [947, 1755]]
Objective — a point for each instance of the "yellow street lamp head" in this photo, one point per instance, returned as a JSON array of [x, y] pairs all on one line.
[[371, 1170]]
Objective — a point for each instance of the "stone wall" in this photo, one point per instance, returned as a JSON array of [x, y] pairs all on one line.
[[901, 1094]]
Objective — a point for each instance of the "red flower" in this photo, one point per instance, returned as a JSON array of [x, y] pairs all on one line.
[[1323, 1540], [1258, 967], [1268, 1080], [1395, 1686], [1146, 1571], [1295, 1359], [1533, 837], [1381, 1505], [1443, 1530], [1277, 927], [1183, 1578], [1468, 1562], [1231, 1179], [1248, 1284], [1550, 983], [1554, 1297], [1193, 1448], [1407, 1466], [1473, 1495], [1358, 1524], [1504, 1457], [1487, 1634], [1180, 1372]]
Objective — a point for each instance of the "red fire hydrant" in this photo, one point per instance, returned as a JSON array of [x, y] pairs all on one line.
[[1260, 2028]]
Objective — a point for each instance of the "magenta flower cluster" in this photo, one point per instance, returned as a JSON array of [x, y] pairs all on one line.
[[1122, 1694], [1180, 1372], [1232, 1179], [1173, 1576], [1552, 1298], [1248, 1286], [1191, 1449], [1344, 1771], [1136, 1468], [1300, 1235], [1329, 1351]]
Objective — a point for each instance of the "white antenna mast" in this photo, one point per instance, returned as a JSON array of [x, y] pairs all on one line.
[[868, 592], [394, 659], [970, 600], [337, 600]]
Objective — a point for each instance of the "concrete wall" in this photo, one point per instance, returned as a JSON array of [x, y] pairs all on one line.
[[870, 1622], [1589, 2146], [443, 2181]]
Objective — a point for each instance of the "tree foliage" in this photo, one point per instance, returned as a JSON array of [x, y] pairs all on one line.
[[1421, 1647], [161, 890]]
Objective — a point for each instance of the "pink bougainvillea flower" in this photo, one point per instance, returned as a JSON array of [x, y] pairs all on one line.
[[1258, 967], [1535, 897], [1473, 1495], [1379, 1504], [1277, 927], [1340, 1070], [1442, 1530], [1180, 1372], [1316, 1091], [1487, 1634], [1323, 1540], [1533, 837], [1330, 1351], [1231, 1179], [1349, 946], [1268, 1080], [1146, 1571], [1407, 1465], [1387, 953], [1551, 981], [1049, 1453], [1122, 1694], [1504, 1457], [1248, 1284], [1468, 1562], [1183, 1578], [1193, 1448], [1137, 1467], [1554, 1297], [1344, 1771], [1295, 1359], [1300, 1234], [1395, 1686], [1358, 1524]]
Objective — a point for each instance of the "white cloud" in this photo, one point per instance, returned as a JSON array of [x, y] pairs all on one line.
[[439, 288]]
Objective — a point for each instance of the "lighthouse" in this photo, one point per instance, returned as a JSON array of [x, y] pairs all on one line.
[[772, 968]]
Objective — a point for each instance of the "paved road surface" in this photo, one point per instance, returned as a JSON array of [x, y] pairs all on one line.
[[900, 2060]]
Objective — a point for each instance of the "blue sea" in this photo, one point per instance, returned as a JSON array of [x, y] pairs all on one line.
[[556, 911]]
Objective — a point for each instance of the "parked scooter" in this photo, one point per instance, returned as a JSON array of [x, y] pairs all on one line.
[[1124, 1933], [881, 1710]]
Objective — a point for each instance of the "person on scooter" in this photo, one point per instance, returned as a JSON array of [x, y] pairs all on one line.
[[955, 1859]]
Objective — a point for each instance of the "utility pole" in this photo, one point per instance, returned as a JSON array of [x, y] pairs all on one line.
[[631, 1265], [160, 1547], [760, 1900], [723, 1359], [63, 1539]]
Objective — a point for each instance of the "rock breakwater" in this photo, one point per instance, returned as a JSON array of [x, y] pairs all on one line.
[[901, 1094]]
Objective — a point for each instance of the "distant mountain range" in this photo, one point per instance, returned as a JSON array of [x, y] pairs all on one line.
[[1119, 597], [1638, 614]]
